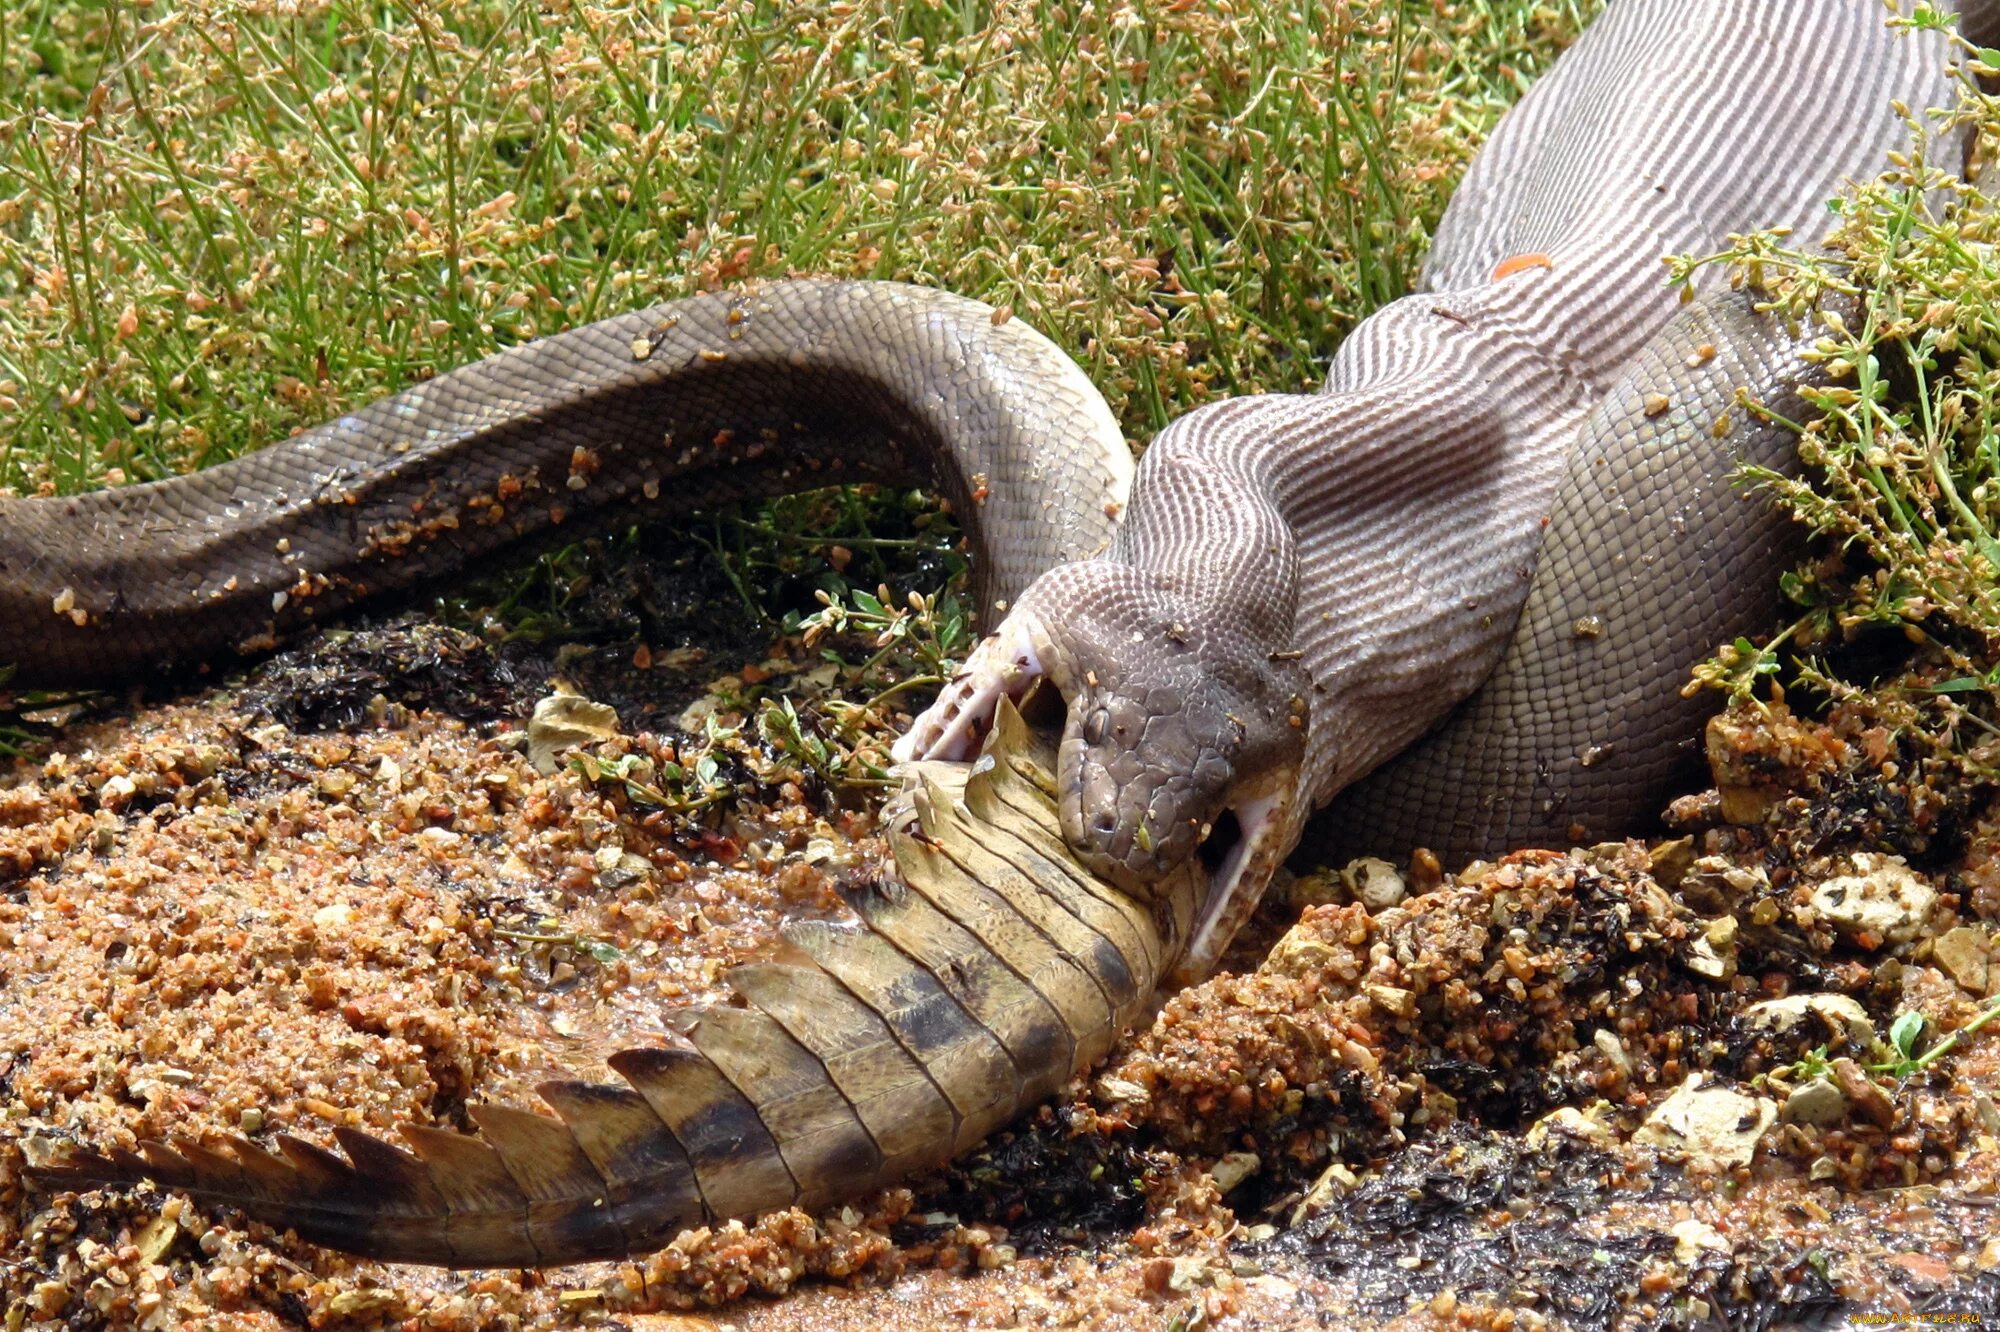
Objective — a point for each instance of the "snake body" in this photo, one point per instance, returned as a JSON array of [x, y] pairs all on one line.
[[1512, 490]]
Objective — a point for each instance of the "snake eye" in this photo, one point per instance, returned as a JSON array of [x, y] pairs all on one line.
[[1094, 725]]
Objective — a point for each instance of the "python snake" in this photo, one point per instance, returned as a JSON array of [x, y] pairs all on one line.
[[1446, 600]]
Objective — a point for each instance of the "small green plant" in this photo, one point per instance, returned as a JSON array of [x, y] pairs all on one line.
[[684, 785], [1902, 438], [910, 645], [548, 935], [1808, 1066], [1906, 1035], [924, 638], [844, 744]]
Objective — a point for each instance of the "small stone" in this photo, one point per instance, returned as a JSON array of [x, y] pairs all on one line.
[[1570, 1122], [1839, 1016], [1392, 999], [354, 1303], [40, 1149], [1818, 1102], [1333, 1182], [335, 916], [1709, 1123], [1301, 952], [1714, 954], [1233, 1168], [1122, 1091], [1613, 1050], [626, 871], [1375, 883], [156, 1238], [1965, 952], [1692, 1236], [1882, 898], [1865, 1096], [1670, 861]]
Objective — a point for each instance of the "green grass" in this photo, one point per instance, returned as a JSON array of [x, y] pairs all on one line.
[[222, 222]]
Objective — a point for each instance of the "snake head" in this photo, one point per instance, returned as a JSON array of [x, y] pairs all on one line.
[[1185, 733]]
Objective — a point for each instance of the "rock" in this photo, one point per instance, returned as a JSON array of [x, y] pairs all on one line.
[[1715, 885], [1692, 1236], [1669, 862], [1392, 1000], [41, 1149], [1819, 1102], [564, 720], [1321, 888], [1233, 1168], [1965, 953], [1570, 1122], [1714, 954], [1376, 884], [1865, 1097], [1882, 898], [157, 1237], [625, 870], [1709, 1123], [1838, 1018], [1333, 1182], [1301, 952], [1613, 1050]]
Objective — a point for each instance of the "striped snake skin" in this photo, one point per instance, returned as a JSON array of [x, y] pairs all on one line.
[[1448, 599], [1514, 481]]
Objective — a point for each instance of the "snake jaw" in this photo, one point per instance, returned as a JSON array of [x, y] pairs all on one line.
[[1003, 665], [1237, 884]]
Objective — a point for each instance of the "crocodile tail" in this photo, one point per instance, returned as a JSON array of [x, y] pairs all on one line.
[[984, 972]]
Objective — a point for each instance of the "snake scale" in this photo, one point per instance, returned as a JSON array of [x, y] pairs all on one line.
[[1445, 600]]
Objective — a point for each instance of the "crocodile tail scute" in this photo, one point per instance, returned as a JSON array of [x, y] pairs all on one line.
[[985, 970]]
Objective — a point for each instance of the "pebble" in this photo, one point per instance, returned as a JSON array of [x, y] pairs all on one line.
[[1233, 1168], [1376, 884], [1882, 897], [1965, 953], [1709, 1122], [1570, 1122], [1865, 1097], [1819, 1102]]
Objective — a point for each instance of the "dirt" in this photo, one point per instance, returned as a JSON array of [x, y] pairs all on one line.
[[336, 891]]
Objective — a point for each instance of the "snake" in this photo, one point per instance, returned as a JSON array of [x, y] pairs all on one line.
[[1445, 601]]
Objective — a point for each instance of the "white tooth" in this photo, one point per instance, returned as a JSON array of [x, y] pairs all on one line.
[[1231, 896]]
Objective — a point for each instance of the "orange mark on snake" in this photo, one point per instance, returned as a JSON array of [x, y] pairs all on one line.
[[1520, 263]]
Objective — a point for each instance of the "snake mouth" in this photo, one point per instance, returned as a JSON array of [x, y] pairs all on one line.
[[1005, 665], [1241, 853]]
